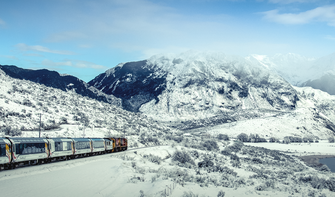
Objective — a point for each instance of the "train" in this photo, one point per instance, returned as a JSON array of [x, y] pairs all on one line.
[[18, 151]]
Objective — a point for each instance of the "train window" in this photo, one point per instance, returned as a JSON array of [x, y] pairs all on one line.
[[58, 146], [2, 150], [83, 145], [98, 144], [69, 147], [30, 148]]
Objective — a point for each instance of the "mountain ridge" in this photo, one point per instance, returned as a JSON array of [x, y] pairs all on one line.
[[56, 80]]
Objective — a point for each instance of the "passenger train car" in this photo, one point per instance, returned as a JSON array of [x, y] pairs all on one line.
[[16, 151]]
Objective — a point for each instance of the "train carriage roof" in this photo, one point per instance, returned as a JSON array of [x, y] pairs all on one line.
[[3, 140], [28, 140], [61, 139], [97, 139], [81, 139]]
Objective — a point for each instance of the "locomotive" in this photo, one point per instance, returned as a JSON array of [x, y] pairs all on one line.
[[23, 151]]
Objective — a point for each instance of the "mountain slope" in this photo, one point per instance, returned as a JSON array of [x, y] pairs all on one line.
[[134, 82], [301, 71], [62, 82], [195, 85], [63, 113]]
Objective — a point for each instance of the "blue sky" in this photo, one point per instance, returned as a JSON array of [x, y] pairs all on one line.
[[86, 37]]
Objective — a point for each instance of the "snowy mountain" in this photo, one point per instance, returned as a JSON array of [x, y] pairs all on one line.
[[300, 70], [195, 85], [62, 82], [196, 90], [23, 104]]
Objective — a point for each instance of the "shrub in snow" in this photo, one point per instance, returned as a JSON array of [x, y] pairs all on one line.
[[206, 163], [236, 147], [153, 158], [235, 163], [182, 157], [227, 151], [11, 131], [221, 193], [210, 145], [223, 137], [227, 171], [243, 137], [234, 157], [147, 138], [319, 183], [194, 154], [256, 160], [331, 140], [189, 194], [323, 168], [273, 139], [286, 140]]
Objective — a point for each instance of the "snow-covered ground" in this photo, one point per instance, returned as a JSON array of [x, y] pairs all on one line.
[[131, 173]]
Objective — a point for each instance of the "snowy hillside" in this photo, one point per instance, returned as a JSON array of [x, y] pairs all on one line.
[[179, 172], [63, 113], [60, 81], [196, 85], [196, 90], [301, 71]]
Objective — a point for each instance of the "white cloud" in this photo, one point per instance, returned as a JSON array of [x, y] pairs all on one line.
[[73, 63], [38, 48], [10, 57], [65, 36], [323, 14]]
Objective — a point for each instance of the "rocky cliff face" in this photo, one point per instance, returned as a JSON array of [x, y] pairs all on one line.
[[195, 85]]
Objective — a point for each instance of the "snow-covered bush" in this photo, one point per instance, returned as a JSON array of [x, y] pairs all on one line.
[[182, 157], [221, 194], [243, 137], [223, 137], [195, 154], [227, 151], [319, 183], [177, 139], [147, 138], [236, 147], [153, 158], [205, 164], [210, 145], [189, 194], [331, 140], [323, 168], [11, 131], [256, 160], [273, 139]]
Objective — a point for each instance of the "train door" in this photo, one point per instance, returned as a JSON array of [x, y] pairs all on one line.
[[9, 152], [47, 149]]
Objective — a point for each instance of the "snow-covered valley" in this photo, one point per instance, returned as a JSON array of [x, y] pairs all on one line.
[[181, 128], [154, 172]]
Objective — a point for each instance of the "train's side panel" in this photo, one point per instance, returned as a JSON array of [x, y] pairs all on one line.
[[60, 147], [5, 151], [28, 149], [82, 146], [98, 144], [109, 144], [120, 144]]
